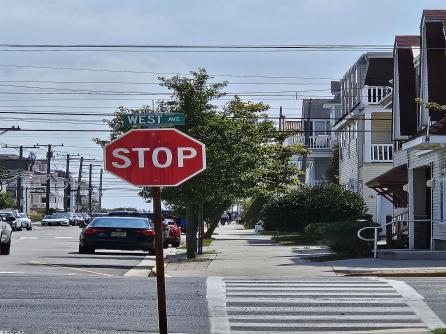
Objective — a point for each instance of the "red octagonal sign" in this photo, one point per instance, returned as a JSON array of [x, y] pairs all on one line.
[[155, 157]]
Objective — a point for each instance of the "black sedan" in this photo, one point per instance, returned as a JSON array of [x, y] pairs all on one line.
[[121, 233]]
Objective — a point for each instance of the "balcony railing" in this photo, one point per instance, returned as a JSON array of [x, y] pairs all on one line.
[[375, 94], [313, 142], [381, 153]]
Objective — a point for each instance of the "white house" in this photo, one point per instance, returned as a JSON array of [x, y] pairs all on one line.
[[364, 129], [417, 183]]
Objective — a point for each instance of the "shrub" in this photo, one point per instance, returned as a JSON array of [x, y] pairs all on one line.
[[296, 209], [253, 210], [35, 216], [341, 236]]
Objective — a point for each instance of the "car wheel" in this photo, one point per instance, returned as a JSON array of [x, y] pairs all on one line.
[[176, 244], [86, 250], [5, 248], [19, 229], [29, 228], [165, 244]]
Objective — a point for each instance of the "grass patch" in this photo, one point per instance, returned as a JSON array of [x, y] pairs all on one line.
[[439, 331], [207, 241], [293, 239], [333, 257]]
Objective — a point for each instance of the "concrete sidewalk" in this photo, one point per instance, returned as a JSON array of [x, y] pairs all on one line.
[[240, 252]]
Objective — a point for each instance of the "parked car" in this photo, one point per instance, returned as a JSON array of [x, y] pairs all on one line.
[[174, 233], [12, 219], [84, 218], [57, 218], [5, 235], [149, 215], [121, 233], [25, 221]]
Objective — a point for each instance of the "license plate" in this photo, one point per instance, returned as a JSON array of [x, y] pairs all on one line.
[[118, 234]]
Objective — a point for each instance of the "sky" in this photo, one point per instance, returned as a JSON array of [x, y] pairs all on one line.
[[50, 80]]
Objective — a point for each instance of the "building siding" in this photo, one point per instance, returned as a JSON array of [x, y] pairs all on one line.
[[437, 160]]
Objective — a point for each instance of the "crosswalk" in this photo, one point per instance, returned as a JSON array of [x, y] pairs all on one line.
[[309, 305]]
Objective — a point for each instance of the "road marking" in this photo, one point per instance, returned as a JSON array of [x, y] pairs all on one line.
[[417, 303], [63, 237], [71, 268], [216, 297], [11, 272], [310, 306], [141, 270], [25, 238]]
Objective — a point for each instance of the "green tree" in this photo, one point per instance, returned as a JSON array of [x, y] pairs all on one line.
[[333, 167], [244, 152], [6, 201]]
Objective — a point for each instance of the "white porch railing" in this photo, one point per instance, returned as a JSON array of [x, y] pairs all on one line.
[[375, 94], [314, 142], [381, 153]]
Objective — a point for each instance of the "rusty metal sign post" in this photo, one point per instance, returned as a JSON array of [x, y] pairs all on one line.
[[156, 158]]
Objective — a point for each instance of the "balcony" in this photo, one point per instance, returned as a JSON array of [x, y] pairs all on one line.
[[374, 95], [313, 142], [381, 153]]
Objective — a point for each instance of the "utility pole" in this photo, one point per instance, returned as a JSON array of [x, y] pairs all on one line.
[[49, 156], [100, 190], [48, 179], [67, 189], [307, 129], [79, 179], [90, 189]]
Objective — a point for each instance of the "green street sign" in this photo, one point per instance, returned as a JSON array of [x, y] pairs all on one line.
[[154, 119]]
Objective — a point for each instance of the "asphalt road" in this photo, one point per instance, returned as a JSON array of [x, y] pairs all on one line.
[[67, 304], [54, 251], [434, 292]]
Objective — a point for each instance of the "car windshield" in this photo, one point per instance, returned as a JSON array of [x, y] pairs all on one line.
[[6, 214], [83, 215], [121, 222], [60, 215], [22, 215]]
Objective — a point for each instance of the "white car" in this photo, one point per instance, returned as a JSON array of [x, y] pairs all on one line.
[[24, 220], [57, 218], [5, 237]]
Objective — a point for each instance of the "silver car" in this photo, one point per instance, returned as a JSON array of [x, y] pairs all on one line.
[[25, 221], [5, 236]]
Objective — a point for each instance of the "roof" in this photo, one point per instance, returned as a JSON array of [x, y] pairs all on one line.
[[395, 176], [434, 15], [407, 40]]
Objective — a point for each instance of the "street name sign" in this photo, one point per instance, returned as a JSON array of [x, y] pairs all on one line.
[[154, 119], [155, 157]]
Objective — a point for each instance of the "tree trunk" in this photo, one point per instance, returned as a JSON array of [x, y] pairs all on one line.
[[191, 229], [212, 226]]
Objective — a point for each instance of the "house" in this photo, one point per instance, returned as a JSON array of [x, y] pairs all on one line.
[[417, 183], [315, 126], [364, 129]]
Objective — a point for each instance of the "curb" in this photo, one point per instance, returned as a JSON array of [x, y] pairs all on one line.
[[152, 272], [439, 273]]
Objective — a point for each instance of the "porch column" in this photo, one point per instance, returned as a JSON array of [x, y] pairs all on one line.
[[410, 179], [367, 137]]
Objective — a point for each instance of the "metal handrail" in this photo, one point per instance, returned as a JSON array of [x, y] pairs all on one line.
[[375, 236]]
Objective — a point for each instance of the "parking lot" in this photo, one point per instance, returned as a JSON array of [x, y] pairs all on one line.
[[53, 250]]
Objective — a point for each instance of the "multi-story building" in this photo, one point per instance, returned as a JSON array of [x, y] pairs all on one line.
[[364, 129], [318, 117], [417, 183]]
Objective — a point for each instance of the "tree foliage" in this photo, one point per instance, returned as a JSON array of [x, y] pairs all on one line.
[[6, 201], [244, 151]]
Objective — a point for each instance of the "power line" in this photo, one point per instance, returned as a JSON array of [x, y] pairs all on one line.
[[163, 73]]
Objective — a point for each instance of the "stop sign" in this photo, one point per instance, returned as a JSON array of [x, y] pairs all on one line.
[[155, 157]]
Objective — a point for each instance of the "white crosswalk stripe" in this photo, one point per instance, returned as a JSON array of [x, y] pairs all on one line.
[[313, 306]]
